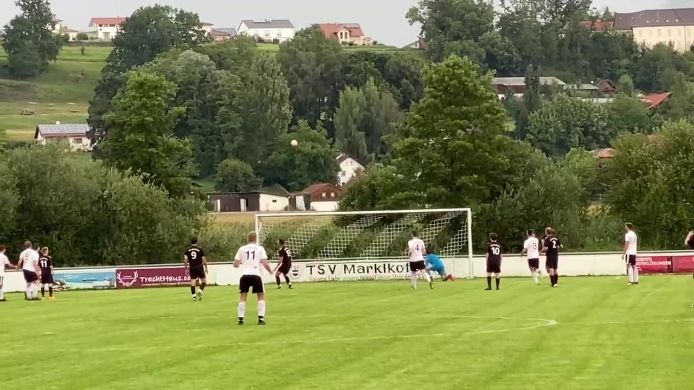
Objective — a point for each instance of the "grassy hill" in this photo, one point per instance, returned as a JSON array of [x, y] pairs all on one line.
[[60, 94], [63, 94]]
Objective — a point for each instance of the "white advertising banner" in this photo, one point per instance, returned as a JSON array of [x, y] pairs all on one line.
[[224, 274], [345, 271]]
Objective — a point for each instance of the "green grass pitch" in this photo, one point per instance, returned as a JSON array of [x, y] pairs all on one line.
[[590, 333]]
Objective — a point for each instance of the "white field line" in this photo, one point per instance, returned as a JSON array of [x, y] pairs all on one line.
[[540, 323]]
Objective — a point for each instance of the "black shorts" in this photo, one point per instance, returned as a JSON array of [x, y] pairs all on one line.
[[197, 273], [631, 259], [251, 281], [47, 278], [552, 262], [29, 276], [285, 268], [417, 266], [494, 267], [534, 263]]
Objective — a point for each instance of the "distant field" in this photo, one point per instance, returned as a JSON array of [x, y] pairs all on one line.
[[60, 94], [63, 92]]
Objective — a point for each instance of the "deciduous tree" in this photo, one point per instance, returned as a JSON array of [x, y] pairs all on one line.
[[236, 176], [142, 136], [148, 32], [29, 42], [313, 160]]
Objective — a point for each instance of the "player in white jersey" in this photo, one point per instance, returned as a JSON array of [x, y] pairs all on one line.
[[630, 252], [250, 257], [29, 261], [4, 262], [417, 251], [531, 247]]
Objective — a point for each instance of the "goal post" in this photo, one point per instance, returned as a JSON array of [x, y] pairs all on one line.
[[377, 238]]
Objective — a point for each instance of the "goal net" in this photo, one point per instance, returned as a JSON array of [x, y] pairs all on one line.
[[375, 239]]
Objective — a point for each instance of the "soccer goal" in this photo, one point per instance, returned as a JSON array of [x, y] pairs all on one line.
[[371, 241]]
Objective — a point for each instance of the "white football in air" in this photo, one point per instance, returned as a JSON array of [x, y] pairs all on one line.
[[295, 143]]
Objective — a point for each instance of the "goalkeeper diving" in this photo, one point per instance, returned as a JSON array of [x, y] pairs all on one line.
[[434, 263]]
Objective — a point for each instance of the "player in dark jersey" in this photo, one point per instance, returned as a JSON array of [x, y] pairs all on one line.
[[194, 258], [284, 265], [46, 265], [551, 247], [493, 261]]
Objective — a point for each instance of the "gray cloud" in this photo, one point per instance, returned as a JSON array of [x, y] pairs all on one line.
[[383, 20]]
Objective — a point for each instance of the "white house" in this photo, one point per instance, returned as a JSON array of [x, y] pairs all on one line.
[[207, 27], [56, 26], [107, 28], [349, 168], [264, 200], [319, 197], [268, 30], [74, 134]]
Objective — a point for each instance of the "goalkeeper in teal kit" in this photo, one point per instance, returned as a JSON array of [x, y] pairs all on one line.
[[434, 263]]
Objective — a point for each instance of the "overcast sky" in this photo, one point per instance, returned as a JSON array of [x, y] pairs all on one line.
[[384, 20]]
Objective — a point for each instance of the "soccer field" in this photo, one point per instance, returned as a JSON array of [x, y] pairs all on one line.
[[590, 333]]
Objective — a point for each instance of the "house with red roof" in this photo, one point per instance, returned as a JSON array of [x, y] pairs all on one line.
[[106, 28], [655, 100], [346, 33]]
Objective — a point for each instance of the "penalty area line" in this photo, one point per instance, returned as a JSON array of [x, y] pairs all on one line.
[[542, 323]]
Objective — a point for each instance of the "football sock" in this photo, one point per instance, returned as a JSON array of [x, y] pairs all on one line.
[[43, 292], [192, 290], [556, 279], [242, 310], [2, 294], [286, 279], [498, 280], [636, 274], [630, 273], [277, 279], [202, 286], [414, 280], [261, 309], [427, 277], [489, 282], [50, 291]]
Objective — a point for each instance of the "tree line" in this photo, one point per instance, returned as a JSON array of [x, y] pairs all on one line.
[[171, 107]]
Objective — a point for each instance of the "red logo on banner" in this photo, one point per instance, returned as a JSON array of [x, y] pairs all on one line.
[[653, 264], [150, 277]]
